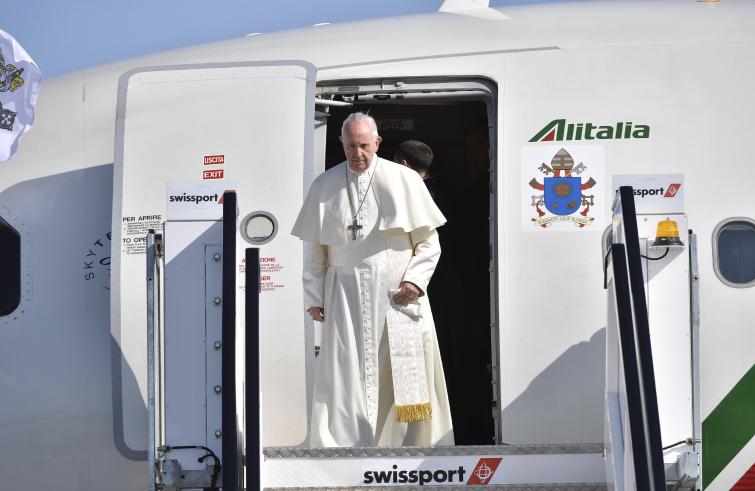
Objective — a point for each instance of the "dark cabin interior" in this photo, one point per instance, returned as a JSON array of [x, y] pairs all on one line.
[[459, 291]]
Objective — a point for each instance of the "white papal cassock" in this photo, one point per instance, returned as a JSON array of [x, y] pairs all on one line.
[[353, 401]]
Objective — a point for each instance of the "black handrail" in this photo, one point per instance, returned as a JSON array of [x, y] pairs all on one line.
[[634, 335], [252, 395], [230, 423]]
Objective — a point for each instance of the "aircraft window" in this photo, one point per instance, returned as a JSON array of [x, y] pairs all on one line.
[[734, 252], [259, 227], [10, 268]]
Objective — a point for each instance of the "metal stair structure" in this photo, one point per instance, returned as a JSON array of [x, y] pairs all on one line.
[[630, 459]]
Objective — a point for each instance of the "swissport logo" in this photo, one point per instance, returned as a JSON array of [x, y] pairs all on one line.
[[484, 470], [668, 192], [482, 474], [187, 198], [672, 190], [561, 130]]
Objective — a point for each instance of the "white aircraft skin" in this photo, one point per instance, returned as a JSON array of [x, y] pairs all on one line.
[[70, 410]]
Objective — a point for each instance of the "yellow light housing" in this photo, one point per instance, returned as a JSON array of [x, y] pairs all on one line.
[[667, 234]]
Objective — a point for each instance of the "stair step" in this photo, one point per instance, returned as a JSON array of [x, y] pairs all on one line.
[[492, 487], [569, 467]]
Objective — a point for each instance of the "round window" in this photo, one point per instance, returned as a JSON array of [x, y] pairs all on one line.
[[734, 252], [259, 227]]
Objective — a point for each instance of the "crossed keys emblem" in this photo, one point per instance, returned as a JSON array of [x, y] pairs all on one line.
[[10, 77]]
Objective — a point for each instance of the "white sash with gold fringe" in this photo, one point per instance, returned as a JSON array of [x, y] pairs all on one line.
[[404, 324]]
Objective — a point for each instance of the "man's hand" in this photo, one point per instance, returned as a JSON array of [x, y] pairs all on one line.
[[316, 313], [407, 292]]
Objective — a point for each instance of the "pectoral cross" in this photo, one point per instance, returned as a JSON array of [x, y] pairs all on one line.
[[354, 227]]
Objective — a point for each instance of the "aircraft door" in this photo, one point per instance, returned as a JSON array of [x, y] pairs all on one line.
[[184, 135]]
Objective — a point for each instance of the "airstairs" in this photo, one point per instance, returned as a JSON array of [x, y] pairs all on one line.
[[205, 425]]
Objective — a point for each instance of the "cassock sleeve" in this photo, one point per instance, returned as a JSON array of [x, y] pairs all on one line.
[[313, 276], [425, 259]]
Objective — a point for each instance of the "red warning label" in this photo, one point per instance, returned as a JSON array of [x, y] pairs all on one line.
[[213, 174], [214, 159]]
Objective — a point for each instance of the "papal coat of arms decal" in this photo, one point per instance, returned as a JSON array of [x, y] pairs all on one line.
[[567, 193]]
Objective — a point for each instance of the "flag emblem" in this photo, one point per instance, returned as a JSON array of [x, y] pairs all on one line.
[[20, 80], [7, 117], [10, 76]]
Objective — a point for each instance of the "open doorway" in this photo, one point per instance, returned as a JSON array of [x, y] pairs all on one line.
[[453, 117]]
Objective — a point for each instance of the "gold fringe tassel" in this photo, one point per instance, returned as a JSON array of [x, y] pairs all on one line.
[[411, 413]]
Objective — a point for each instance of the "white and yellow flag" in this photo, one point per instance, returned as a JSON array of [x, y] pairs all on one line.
[[20, 80]]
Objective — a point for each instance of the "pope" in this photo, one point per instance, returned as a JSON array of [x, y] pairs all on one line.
[[371, 246]]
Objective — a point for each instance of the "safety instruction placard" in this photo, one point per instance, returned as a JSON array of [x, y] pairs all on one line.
[[270, 279], [134, 232]]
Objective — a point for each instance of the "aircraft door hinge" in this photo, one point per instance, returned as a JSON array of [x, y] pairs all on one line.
[[391, 84]]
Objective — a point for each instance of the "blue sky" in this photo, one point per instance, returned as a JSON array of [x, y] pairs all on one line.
[[64, 36]]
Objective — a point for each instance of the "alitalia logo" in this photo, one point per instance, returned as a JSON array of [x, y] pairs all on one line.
[[559, 130]]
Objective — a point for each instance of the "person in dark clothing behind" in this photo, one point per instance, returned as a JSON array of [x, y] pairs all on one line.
[[419, 157], [415, 155]]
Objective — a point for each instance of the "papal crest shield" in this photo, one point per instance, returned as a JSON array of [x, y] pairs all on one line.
[[563, 195]]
